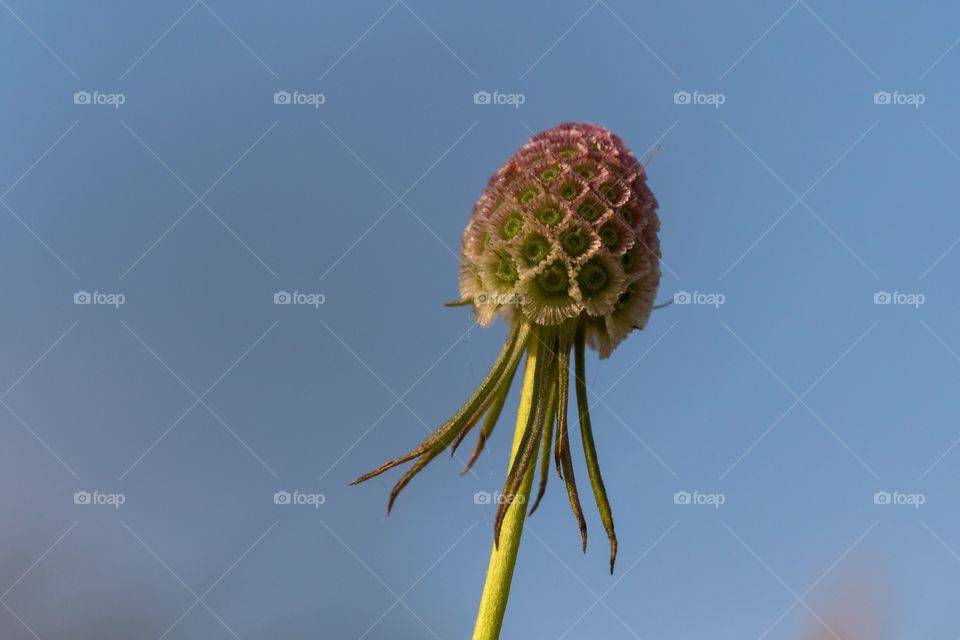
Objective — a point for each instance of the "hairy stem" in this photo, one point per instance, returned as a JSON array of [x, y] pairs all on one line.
[[503, 557]]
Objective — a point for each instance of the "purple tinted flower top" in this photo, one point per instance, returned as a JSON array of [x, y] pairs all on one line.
[[567, 228]]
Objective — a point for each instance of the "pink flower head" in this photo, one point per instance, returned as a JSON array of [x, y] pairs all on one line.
[[567, 228]]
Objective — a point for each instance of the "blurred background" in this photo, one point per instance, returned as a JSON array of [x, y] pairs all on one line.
[[175, 446]]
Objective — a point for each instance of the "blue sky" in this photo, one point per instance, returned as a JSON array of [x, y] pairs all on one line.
[[808, 157]]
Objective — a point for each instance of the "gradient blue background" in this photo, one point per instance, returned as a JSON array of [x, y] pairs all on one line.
[[687, 397]]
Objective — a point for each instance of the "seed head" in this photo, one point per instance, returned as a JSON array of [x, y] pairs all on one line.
[[567, 228]]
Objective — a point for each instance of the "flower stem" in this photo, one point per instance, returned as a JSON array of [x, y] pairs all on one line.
[[496, 590]]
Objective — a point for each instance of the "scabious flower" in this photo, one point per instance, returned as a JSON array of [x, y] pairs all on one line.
[[563, 245]]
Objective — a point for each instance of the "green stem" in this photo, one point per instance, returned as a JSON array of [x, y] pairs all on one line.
[[503, 559]]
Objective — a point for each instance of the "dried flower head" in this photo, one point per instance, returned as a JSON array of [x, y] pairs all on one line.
[[563, 244], [567, 228]]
